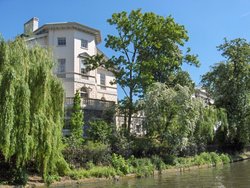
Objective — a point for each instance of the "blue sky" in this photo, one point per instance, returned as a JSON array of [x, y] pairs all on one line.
[[207, 22]]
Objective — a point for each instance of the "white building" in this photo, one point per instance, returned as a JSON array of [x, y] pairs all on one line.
[[70, 43], [204, 95]]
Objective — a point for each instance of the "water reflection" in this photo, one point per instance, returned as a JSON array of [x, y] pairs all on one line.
[[236, 175]]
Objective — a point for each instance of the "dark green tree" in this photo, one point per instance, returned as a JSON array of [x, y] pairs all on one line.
[[76, 119], [149, 50], [99, 131], [229, 84], [32, 109]]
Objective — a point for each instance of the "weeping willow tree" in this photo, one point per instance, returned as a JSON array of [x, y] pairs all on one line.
[[178, 121], [31, 109]]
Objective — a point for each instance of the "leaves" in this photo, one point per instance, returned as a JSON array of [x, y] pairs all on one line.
[[148, 50], [31, 105], [176, 119], [228, 83]]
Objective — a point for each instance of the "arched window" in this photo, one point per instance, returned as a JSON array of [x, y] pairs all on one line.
[[84, 93]]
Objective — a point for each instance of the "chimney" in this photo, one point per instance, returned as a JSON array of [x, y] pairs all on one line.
[[30, 26]]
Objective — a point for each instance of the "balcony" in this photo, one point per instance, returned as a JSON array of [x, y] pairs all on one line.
[[91, 104]]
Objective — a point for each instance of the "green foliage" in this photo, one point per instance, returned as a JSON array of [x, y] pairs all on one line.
[[52, 178], [120, 143], [99, 131], [149, 51], [158, 163], [100, 172], [142, 167], [97, 171], [81, 156], [120, 164], [20, 177], [31, 105], [76, 120], [180, 123], [228, 83], [202, 159]]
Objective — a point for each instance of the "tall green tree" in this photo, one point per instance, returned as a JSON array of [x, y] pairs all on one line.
[[176, 120], [149, 50], [32, 108], [76, 119], [229, 84]]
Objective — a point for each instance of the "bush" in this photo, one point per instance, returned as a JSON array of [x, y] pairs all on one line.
[[120, 164], [79, 174], [225, 158], [102, 171], [158, 163], [142, 167], [96, 171], [97, 153], [169, 159], [20, 177], [99, 131], [215, 158], [51, 178], [120, 144]]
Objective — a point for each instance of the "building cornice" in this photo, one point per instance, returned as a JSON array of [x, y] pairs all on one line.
[[70, 25]]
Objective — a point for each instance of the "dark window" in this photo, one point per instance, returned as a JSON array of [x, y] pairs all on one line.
[[84, 93], [102, 79], [84, 43], [61, 41], [61, 65], [82, 66]]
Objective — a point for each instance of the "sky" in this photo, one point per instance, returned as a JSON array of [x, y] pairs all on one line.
[[207, 22]]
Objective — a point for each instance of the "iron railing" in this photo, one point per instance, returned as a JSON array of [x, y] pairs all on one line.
[[93, 104]]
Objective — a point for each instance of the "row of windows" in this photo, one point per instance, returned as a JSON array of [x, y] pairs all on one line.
[[62, 68], [61, 41]]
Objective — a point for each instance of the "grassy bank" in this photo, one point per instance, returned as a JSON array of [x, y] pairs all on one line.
[[139, 168], [145, 167]]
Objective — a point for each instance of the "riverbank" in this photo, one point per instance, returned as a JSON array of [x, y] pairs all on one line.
[[183, 165]]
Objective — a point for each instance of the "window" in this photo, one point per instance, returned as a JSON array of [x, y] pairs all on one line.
[[102, 79], [84, 93], [61, 41], [84, 43], [61, 65], [82, 66]]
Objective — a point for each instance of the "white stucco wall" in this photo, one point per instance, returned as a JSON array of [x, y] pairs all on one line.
[[74, 80], [63, 52]]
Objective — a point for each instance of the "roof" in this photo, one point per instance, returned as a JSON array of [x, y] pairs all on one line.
[[74, 25]]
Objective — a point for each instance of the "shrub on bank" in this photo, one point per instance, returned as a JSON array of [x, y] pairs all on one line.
[[120, 164], [97, 153], [141, 167], [158, 163], [96, 171], [202, 159], [144, 167]]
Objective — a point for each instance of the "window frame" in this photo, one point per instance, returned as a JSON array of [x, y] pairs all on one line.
[[60, 62], [60, 41], [103, 81], [81, 63], [86, 42]]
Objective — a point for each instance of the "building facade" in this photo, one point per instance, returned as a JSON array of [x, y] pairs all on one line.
[[70, 43]]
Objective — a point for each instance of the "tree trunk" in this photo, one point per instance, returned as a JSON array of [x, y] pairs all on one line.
[[130, 111]]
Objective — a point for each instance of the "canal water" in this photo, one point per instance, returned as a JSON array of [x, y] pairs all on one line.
[[236, 175]]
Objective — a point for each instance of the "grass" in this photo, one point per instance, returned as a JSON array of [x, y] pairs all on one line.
[[204, 158], [144, 167]]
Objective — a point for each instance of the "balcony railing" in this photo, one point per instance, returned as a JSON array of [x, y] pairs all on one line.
[[91, 104]]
